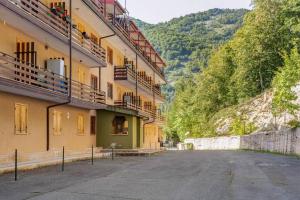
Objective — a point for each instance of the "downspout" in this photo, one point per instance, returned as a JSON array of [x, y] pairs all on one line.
[[69, 81], [108, 36]]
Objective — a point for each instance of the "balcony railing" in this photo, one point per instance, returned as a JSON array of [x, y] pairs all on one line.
[[88, 45], [122, 26], [127, 105], [19, 71], [145, 112], [157, 91], [60, 24], [125, 32], [87, 93], [126, 73], [159, 117]]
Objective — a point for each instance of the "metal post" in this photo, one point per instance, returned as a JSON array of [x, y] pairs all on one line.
[[112, 153], [63, 160], [92, 154], [16, 165]]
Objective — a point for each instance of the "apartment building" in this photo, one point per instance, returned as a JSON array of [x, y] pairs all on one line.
[[75, 74]]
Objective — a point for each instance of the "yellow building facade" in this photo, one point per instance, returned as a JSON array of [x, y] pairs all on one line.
[[76, 74]]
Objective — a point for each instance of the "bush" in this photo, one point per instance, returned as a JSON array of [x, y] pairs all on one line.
[[294, 123]]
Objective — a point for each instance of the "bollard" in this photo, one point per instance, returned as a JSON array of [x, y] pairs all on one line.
[[112, 153], [16, 165], [92, 154], [63, 160]]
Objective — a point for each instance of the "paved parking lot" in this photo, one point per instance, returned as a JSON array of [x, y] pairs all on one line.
[[205, 175]]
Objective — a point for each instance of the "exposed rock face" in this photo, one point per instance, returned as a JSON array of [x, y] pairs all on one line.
[[259, 111]]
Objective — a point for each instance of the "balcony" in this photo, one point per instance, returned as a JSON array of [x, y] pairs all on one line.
[[125, 28], [21, 78], [126, 76], [54, 27], [86, 93], [158, 95], [159, 118], [134, 103]]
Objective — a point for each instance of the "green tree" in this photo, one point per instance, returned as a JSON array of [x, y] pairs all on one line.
[[286, 78]]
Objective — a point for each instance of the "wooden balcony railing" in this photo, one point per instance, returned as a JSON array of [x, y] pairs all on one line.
[[127, 105], [19, 71], [60, 24], [146, 112], [125, 32], [88, 45], [157, 91], [87, 93], [14, 69], [99, 6], [159, 117], [121, 24], [126, 73]]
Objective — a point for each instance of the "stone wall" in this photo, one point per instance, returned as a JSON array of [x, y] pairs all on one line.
[[286, 142]]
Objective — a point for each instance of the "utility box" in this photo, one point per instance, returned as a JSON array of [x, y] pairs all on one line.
[[56, 66]]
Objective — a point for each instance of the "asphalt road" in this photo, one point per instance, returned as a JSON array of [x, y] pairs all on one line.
[[206, 175]]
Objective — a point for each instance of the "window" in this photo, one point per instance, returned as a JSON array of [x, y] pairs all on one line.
[[80, 124], [21, 118], [109, 90], [94, 82], [110, 56], [120, 125], [57, 125], [93, 125]]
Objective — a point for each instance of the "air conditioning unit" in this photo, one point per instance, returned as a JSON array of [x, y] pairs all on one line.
[[56, 66]]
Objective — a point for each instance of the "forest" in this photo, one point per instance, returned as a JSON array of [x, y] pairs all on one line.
[[261, 55]]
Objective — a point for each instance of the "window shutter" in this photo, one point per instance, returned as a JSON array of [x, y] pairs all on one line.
[[21, 118], [80, 124], [18, 118], [59, 122], [54, 122]]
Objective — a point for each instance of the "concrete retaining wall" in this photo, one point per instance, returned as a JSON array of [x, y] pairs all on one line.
[[217, 143], [286, 142]]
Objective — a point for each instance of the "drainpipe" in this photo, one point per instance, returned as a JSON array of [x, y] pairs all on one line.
[[69, 81], [108, 36]]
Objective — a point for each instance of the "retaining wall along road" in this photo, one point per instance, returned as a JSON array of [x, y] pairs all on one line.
[[286, 142], [217, 143]]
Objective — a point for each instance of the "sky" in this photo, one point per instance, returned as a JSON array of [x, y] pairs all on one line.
[[155, 11]]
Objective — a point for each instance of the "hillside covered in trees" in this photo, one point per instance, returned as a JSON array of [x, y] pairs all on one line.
[[186, 42], [262, 56]]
